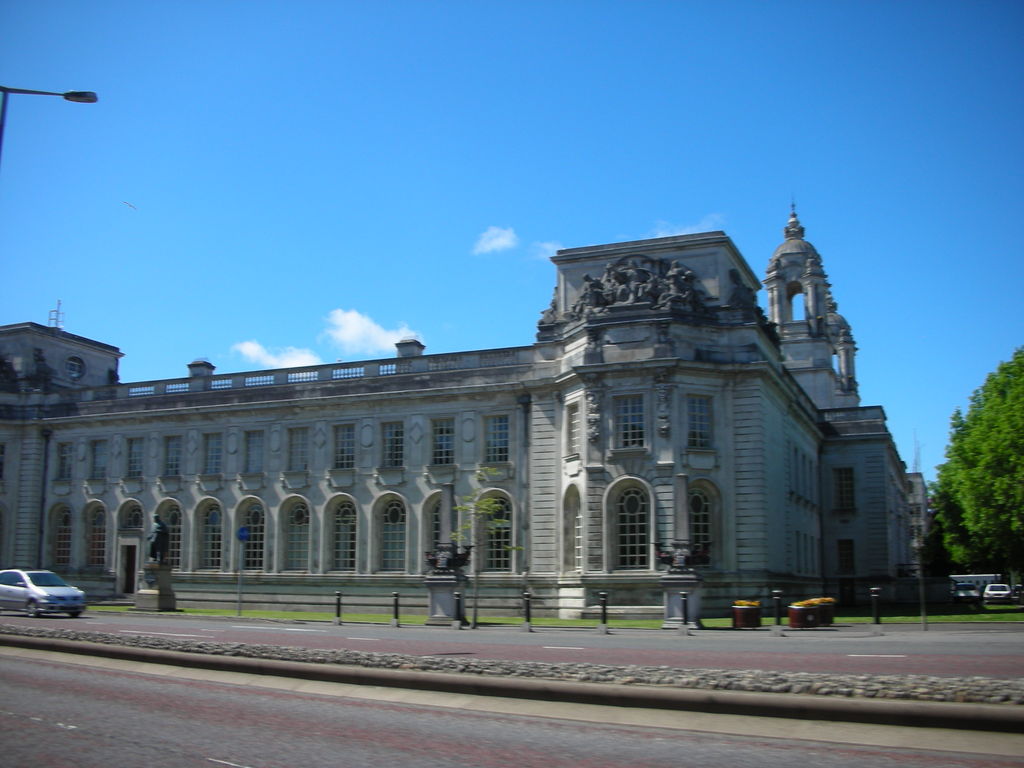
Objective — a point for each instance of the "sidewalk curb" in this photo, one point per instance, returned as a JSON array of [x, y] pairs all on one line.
[[978, 717]]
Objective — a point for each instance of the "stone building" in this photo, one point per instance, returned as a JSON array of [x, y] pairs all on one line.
[[659, 406]]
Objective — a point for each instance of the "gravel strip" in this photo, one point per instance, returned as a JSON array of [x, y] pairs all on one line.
[[985, 690]]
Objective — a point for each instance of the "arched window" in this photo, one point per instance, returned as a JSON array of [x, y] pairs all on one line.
[[296, 542], [436, 530], [498, 555], [172, 518], [344, 539], [96, 537], [700, 527], [392, 536], [631, 529], [131, 517], [572, 532], [255, 520], [62, 538], [210, 527]]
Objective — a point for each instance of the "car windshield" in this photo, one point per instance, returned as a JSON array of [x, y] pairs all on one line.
[[965, 586], [998, 588], [46, 579]]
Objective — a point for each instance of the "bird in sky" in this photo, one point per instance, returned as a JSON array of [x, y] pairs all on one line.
[[129, 205]]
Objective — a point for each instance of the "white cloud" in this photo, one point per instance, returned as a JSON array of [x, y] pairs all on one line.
[[710, 222], [496, 239], [356, 333], [288, 357]]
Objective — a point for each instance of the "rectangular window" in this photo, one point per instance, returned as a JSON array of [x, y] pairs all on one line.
[[495, 439], [298, 449], [443, 441], [629, 421], [213, 453], [172, 455], [698, 421], [97, 459], [393, 441], [253, 458], [842, 478], [65, 455], [844, 556], [344, 446], [572, 429], [133, 463]]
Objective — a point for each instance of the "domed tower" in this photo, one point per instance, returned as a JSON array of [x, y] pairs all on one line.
[[817, 343]]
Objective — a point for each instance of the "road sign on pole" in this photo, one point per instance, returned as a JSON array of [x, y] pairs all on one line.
[[243, 536]]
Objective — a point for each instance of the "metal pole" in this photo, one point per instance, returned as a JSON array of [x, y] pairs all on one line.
[[684, 599], [460, 610], [394, 599], [241, 564], [875, 617], [921, 596], [337, 607], [3, 117], [526, 607], [777, 598], [602, 598]]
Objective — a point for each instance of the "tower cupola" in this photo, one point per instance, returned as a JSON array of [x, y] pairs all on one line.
[[817, 342]]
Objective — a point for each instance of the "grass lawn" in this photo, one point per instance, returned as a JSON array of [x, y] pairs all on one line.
[[889, 614]]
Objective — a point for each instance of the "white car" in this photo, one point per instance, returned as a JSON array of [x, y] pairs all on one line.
[[997, 593], [39, 592]]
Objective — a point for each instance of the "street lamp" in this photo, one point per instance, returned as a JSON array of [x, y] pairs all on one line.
[[81, 97]]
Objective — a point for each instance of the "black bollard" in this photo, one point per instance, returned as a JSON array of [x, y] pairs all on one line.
[[777, 598], [602, 598], [460, 613], [526, 607], [685, 600], [394, 620], [337, 607], [875, 617]]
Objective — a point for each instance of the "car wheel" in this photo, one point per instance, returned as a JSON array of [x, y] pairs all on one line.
[[32, 609], [74, 614]]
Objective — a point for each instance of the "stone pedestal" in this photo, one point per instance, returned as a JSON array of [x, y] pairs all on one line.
[[673, 584], [158, 594], [442, 588]]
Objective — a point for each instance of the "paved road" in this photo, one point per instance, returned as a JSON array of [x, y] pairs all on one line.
[[992, 650], [94, 713]]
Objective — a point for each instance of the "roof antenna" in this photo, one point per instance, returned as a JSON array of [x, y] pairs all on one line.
[[57, 317]]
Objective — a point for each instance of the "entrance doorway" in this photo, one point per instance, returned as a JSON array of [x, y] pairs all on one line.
[[128, 569]]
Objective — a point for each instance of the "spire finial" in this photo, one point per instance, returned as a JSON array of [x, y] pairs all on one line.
[[794, 229]]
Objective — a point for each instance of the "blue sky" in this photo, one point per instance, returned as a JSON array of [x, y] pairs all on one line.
[[267, 183]]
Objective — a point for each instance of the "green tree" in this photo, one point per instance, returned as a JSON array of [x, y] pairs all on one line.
[[980, 489], [483, 513]]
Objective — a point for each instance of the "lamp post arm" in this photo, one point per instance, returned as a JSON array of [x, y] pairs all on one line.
[[81, 97]]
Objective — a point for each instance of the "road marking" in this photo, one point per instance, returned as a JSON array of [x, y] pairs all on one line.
[[276, 629], [163, 634], [225, 762], [877, 655], [564, 647], [373, 639]]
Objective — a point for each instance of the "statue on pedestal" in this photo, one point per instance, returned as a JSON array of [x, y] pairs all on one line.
[[159, 541]]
